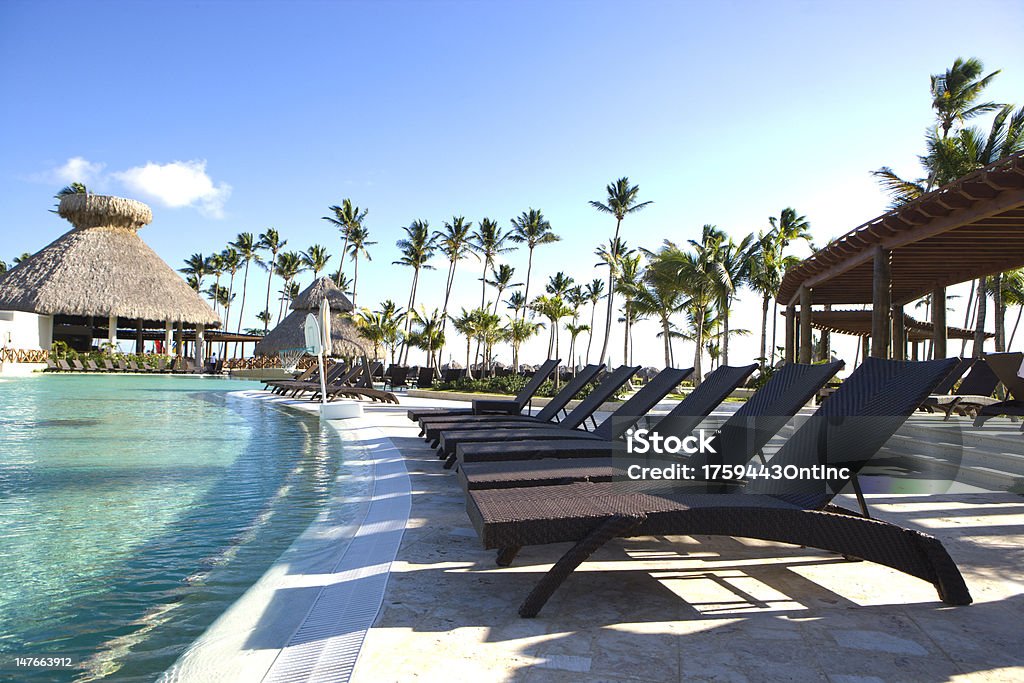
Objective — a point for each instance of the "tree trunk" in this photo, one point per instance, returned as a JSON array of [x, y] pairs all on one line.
[[979, 329], [775, 315], [270, 279], [1000, 311], [355, 281], [725, 328], [967, 317], [404, 355], [700, 344], [668, 342], [590, 332], [608, 316], [764, 332], [529, 270], [1014, 332], [241, 310], [469, 372]]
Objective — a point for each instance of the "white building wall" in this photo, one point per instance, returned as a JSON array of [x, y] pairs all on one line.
[[27, 331]]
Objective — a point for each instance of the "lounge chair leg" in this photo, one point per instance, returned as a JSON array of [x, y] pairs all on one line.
[[506, 555], [607, 530], [450, 461]]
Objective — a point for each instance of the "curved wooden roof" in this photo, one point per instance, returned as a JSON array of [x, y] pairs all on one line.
[[967, 229], [858, 324]]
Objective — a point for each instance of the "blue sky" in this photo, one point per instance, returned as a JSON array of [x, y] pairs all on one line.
[[724, 113]]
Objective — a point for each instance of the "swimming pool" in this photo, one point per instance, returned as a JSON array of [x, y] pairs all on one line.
[[135, 509]]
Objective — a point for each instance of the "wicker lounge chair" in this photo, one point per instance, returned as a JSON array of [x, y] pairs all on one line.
[[432, 426], [424, 378], [974, 392], [1007, 367], [77, 365], [63, 365], [306, 374], [396, 377], [566, 428], [294, 388], [742, 436], [591, 514], [512, 406]]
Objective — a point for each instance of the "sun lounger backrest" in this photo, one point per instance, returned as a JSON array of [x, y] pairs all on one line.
[[539, 377], [1006, 367], [852, 425], [611, 383], [715, 388], [761, 417], [980, 381], [638, 405], [560, 400], [955, 374], [424, 378]]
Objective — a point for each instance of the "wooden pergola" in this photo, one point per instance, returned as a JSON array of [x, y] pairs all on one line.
[[970, 228], [858, 323]]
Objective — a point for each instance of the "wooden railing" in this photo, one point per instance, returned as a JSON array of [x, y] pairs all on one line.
[[263, 362], [23, 355]]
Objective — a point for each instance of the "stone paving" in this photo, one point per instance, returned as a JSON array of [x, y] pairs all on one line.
[[686, 608]]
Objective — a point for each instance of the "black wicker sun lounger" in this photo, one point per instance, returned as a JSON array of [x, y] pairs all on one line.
[[431, 427], [566, 428], [851, 426], [512, 406], [1007, 367], [684, 418], [974, 392], [744, 434]]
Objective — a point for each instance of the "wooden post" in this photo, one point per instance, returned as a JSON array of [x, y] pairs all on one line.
[[866, 351], [881, 301], [939, 323], [139, 342], [899, 334], [167, 338], [916, 347], [199, 347], [179, 340], [790, 333], [112, 333], [805, 325]]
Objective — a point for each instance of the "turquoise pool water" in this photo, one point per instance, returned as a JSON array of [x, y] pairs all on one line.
[[134, 510]]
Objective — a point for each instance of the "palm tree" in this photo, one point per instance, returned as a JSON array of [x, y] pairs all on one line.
[[315, 259], [417, 248], [1013, 295], [516, 302], [345, 218], [232, 261], [216, 265], [429, 337], [574, 331], [381, 327], [789, 227], [3, 266], [532, 229], [467, 324], [622, 200], [264, 317], [733, 270], [488, 332], [955, 93], [489, 240], [611, 256], [454, 242], [628, 284], [558, 284], [554, 309], [248, 250], [358, 241], [270, 241], [695, 272], [661, 295], [25, 256], [594, 292], [517, 332], [196, 265], [289, 265], [502, 280]]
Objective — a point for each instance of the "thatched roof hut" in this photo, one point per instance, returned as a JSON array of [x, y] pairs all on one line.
[[290, 333], [103, 268]]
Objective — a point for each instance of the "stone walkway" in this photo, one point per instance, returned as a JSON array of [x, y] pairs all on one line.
[[694, 609]]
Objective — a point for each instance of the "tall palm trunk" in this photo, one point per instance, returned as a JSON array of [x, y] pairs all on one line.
[[775, 319], [967, 317], [764, 331], [590, 333], [241, 309], [1000, 313], [355, 281], [526, 292], [979, 329], [697, 374], [227, 315], [725, 331], [408, 321], [667, 338], [611, 290], [270, 279]]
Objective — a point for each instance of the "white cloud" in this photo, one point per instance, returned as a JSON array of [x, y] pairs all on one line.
[[178, 184], [74, 170]]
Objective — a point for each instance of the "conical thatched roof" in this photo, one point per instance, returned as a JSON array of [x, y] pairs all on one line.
[[322, 288], [290, 333], [102, 267]]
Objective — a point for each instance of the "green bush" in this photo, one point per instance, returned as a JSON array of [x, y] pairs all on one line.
[[510, 385]]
